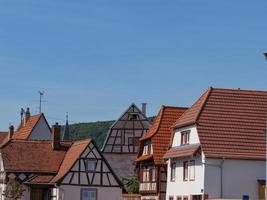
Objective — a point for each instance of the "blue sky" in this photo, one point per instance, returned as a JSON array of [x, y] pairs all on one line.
[[94, 57]]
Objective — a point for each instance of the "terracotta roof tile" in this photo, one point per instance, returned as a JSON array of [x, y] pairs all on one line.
[[160, 132], [32, 156], [24, 131], [144, 157], [3, 136], [231, 123], [182, 151], [40, 179], [71, 156]]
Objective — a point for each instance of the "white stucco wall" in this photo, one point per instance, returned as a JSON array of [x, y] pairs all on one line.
[[193, 137], [181, 187], [67, 192], [41, 131], [239, 177]]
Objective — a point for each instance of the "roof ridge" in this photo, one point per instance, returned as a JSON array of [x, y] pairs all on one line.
[[238, 89], [178, 107]]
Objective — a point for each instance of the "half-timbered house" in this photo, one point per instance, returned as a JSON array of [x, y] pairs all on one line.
[[122, 141], [150, 165], [58, 170], [218, 147]]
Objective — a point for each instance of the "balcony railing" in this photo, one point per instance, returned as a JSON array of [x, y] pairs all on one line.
[[148, 187]]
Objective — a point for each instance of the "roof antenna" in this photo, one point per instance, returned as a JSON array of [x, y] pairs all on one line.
[[41, 94]]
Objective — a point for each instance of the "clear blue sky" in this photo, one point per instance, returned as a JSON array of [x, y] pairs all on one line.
[[93, 58]]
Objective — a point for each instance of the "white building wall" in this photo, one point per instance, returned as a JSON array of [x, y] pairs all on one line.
[[41, 131], [185, 188], [193, 137], [67, 192], [239, 177]]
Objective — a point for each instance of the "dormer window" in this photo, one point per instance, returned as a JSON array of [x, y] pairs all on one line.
[[147, 150], [185, 135]]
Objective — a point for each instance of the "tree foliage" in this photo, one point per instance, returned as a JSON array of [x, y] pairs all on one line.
[[131, 184], [14, 190]]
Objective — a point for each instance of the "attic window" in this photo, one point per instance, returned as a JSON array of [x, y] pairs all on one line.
[[133, 116], [185, 135], [90, 165]]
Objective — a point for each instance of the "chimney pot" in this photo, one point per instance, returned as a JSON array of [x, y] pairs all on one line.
[[144, 108], [56, 136], [10, 132], [27, 115]]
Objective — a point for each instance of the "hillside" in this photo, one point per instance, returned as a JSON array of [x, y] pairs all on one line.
[[96, 130]]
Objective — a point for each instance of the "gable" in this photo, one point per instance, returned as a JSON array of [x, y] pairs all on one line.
[[124, 134], [102, 175], [41, 130]]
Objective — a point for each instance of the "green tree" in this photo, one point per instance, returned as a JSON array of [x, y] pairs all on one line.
[[131, 184], [14, 190]]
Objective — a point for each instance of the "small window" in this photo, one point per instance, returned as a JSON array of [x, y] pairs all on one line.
[[173, 167], [153, 174], [185, 197], [133, 116], [170, 197], [91, 164], [185, 173], [88, 194], [185, 135], [179, 198], [146, 177], [191, 170], [130, 141]]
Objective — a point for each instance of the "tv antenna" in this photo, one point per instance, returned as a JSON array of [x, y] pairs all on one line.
[[41, 94]]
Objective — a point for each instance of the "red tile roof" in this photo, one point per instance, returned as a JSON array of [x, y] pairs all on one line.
[[144, 157], [32, 156], [71, 157], [40, 180], [24, 131], [182, 151], [160, 131], [3, 136], [230, 123]]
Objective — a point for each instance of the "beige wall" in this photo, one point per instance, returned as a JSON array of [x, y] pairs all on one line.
[[67, 192]]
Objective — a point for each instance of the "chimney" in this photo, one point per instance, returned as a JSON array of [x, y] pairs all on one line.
[[144, 108], [10, 132], [56, 136], [27, 115]]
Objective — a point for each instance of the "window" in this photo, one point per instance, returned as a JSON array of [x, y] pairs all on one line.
[[185, 135], [153, 174], [185, 173], [146, 177], [191, 170], [179, 198], [91, 164], [88, 194], [130, 141], [133, 116], [170, 197], [185, 197], [173, 167], [147, 149]]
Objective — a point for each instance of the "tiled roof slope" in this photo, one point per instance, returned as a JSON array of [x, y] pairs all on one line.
[[191, 115], [160, 132], [24, 131], [3, 136], [32, 156], [182, 151], [71, 156], [232, 123]]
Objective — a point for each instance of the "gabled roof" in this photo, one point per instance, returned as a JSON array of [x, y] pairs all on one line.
[[32, 156], [160, 132], [24, 130], [231, 123], [71, 157]]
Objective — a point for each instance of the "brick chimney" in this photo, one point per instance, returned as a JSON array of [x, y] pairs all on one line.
[[56, 136], [27, 115], [10, 132]]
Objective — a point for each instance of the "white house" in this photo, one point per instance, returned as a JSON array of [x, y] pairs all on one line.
[[58, 170], [218, 147]]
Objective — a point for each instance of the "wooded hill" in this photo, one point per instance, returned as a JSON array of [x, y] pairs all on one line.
[[95, 130]]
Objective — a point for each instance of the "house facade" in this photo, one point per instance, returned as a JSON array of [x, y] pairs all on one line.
[[150, 165], [58, 170], [122, 141], [217, 150]]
